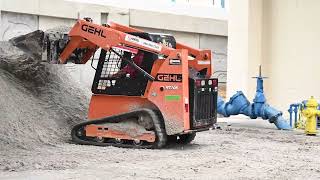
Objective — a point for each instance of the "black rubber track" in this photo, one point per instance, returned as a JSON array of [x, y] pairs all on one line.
[[159, 128]]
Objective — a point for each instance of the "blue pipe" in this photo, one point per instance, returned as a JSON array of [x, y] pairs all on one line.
[[293, 108], [318, 119], [239, 104], [290, 113], [295, 114]]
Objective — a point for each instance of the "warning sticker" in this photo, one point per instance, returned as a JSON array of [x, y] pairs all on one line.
[[143, 42], [172, 97], [203, 62]]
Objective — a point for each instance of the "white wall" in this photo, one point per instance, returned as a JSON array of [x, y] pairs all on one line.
[[178, 22], [238, 47], [291, 50], [45, 14], [63, 9], [194, 8], [283, 36], [218, 46], [47, 22], [13, 24], [69, 10]]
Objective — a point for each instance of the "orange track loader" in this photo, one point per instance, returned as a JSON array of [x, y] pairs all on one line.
[[148, 89]]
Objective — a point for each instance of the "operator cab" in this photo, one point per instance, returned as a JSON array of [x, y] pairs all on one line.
[[114, 76]]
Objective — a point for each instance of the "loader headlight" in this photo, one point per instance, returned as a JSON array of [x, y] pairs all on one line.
[[203, 82]]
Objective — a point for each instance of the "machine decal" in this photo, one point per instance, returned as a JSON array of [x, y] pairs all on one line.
[[172, 97], [169, 77], [92, 30], [203, 62], [170, 87], [143, 42], [174, 61]]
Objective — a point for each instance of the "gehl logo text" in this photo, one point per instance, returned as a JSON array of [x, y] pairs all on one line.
[[93, 30], [169, 77]]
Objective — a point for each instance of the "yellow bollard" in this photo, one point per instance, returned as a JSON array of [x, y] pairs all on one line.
[[311, 113]]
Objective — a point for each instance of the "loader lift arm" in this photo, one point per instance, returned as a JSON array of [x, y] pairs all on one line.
[[91, 36], [88, 35], [204, 56]]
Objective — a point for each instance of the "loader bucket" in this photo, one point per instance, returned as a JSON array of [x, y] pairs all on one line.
[[47, 45], [31, 43]]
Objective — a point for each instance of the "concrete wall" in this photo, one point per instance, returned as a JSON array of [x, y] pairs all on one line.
[[20, 17], [178, 22], [292, 47], [47, 22], [13, 24], [217, 44], [65, 9], [238, 50], [283, 36], [192, 8]]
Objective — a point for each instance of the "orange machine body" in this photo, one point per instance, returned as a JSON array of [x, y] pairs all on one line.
[[169, 92]]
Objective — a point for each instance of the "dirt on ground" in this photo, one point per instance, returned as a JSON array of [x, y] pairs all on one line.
[[39, 104], [229, 153]]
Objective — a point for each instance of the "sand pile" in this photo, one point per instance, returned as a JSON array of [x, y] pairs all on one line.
[[39, 103]]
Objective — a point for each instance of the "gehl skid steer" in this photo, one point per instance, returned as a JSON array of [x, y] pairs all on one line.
[[148, 89]]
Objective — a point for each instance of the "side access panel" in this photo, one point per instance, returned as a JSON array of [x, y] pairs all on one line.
[[106, 105], [170, 91]]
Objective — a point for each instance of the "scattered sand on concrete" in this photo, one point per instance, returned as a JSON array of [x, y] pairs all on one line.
[[230, 153]]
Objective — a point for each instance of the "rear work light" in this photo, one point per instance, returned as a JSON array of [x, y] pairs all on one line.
[[198, 83], [214, 82]]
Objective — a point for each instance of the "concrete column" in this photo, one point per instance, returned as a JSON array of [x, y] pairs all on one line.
[[255, 27], [238, 33], [244, 45], [0, 24]]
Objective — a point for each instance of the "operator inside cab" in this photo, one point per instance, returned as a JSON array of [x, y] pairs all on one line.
[[128, 70]]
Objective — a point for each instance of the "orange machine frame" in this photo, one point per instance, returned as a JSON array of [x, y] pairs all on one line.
[[172, 103]]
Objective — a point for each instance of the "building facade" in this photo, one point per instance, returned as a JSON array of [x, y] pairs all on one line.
[[284, 37], [197, 29]]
